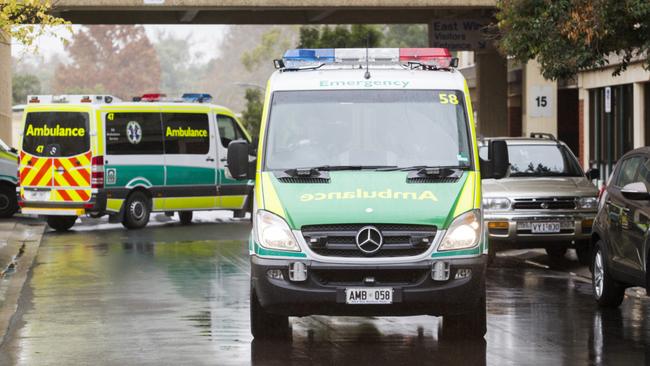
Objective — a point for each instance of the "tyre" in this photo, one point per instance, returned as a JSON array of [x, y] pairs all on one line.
[[265, 325], [583, 252], [136, 211], [185, 217], [556, 252], [607, 291], [61, 223], [471, 325], [8, 201]]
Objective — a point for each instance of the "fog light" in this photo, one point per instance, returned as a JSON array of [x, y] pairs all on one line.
[[498, 225], [297, 272], [463, 273], [587, 224], [275, 274], [440, 271]]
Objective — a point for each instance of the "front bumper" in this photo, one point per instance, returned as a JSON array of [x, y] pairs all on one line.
[[574, 226], [323, 293]]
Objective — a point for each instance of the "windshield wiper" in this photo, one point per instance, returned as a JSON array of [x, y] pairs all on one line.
[[429, 168], [315, 171]]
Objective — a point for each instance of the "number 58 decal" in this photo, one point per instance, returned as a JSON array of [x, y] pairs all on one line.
[[446, 98]]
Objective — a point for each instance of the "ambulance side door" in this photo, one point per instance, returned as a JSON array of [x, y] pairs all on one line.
[[190, 160], [232, 192]]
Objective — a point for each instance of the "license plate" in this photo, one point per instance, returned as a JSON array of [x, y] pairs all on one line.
[[37, 195], [545, 227], [368, 295]]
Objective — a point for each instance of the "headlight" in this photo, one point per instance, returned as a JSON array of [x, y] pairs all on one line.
[[463, 233], [496, 204], [587, 202], [274, 233]]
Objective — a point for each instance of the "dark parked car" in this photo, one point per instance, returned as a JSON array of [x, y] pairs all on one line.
[[620, 243]]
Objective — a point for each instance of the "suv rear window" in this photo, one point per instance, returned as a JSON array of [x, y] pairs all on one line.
[[56, 134]]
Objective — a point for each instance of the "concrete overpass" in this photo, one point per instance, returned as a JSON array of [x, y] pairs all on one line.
[[491, 70]]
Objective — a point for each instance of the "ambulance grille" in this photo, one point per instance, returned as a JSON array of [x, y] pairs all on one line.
[[399, 240], [431, 180]]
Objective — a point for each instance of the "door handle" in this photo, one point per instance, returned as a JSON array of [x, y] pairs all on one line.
[[209, 159]]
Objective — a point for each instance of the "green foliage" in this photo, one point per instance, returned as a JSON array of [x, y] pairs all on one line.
[[23, 20], [252, 115], [566, 36], [405, 35], [24, 85], [272, 43], [340, 36]]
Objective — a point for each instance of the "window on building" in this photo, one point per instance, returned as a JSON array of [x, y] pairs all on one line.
[[186, 133], [134, 133], [228, 130], [611, 134]]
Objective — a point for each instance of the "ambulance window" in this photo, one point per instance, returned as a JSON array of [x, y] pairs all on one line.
[[133, 133], [186, 133], [56, 133], [229, 130]]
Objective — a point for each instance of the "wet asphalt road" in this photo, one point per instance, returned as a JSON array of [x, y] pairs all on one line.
[[173, 295]]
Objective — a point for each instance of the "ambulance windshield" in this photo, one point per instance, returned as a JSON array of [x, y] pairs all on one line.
[[373, 128], [56, 134]]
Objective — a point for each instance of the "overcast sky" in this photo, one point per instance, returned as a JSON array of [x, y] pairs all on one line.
[[204, 38]]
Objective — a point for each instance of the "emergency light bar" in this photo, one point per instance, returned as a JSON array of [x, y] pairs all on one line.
[[438, 58], [150, 97], [92, 99], [197, 97]]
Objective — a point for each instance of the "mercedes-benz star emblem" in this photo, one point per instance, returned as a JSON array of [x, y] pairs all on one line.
[[369, 239]]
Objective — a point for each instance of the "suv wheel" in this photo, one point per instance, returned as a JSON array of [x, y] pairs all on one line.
[[583, 252], [607, 292], [556, 252]]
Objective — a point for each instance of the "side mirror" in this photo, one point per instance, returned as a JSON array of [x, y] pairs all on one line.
[[13, 150], [238, 159], [593, 173], [636, 191], [496, 167]]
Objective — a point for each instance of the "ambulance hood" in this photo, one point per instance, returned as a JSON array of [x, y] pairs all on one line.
[[369, 197]]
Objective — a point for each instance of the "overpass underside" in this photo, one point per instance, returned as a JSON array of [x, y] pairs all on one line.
[[491, 70]]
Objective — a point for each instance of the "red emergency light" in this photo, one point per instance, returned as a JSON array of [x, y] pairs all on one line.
[[152, 97], [440, 57]]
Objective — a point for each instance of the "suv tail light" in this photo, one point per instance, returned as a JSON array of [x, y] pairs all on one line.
[[97, 172]]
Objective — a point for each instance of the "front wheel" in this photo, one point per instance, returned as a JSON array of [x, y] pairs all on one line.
[[472, 325], [136, 211], [185, 217], [265, 325], [61, 223], [8, 201], [607, 292]]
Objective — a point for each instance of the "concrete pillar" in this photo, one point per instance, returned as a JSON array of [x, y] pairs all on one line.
[[638, 114], [5, 89], [583, 100], [492, 87], [540, 101]]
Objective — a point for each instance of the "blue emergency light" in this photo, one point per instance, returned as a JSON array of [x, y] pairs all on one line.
[[197, 97]]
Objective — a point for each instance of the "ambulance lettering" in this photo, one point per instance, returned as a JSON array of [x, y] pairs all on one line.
[[359, 193]]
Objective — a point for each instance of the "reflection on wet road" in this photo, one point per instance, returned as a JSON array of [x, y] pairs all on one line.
[[179, 295]]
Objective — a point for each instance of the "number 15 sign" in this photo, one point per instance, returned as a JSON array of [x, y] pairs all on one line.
[[540, 101]]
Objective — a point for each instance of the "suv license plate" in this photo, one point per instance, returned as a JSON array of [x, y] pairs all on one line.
[[545, 227], [368, 295]]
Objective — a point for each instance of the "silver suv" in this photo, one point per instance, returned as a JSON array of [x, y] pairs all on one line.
[[545, 201]]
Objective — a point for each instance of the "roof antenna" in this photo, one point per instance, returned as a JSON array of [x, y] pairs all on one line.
[[367, 74]]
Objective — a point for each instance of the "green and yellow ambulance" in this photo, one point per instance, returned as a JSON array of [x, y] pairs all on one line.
[[98, 155], [8, 180], [368, 191]]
